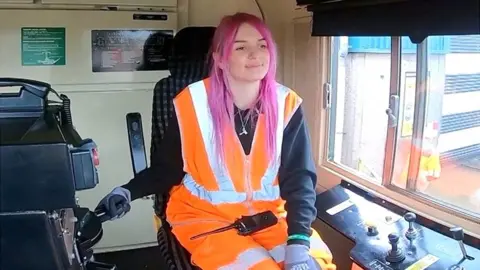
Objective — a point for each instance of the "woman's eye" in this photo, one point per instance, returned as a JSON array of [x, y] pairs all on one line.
[[263, 46], [240, 48]]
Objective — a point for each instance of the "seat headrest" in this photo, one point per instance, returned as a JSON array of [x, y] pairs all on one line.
[[192, 42]]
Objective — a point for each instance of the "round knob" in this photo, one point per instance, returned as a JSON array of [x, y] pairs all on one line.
[[372, 231], [410, 217], [393, 238], [457, 233]]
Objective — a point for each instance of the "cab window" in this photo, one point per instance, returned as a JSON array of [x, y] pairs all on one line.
[[407, 116]]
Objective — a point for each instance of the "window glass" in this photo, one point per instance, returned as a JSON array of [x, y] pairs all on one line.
[[450, 162], [443, 160], [407, 82], [360, 83]]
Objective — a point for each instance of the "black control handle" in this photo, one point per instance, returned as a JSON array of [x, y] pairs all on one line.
[[393, 238], [411, 233], [457, 233], [102, 215], [37, 88], [395, 255], [136, 142], [410, 217]]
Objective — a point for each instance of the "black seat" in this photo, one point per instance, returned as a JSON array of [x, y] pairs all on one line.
[[188, 64]]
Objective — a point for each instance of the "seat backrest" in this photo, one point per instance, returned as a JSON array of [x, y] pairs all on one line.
[[187, 64]]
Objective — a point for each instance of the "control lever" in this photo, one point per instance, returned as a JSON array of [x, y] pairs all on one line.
[[411, 233], [102, 215], [100, 266], [457, 234], [395, 255], [138, 154]]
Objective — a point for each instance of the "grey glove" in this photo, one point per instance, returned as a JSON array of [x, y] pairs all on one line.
[[116, 204], [297, 257]]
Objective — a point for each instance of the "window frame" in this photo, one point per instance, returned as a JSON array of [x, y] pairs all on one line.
[[408, 198]]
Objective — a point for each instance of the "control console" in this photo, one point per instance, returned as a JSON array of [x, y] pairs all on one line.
[[388, 237]]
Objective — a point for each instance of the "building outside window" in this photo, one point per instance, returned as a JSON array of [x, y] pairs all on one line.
[[407, 116]]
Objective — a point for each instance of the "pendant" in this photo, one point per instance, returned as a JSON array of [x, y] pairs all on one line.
[[244, 132]]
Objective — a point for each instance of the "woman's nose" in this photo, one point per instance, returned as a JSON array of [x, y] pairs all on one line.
[[253, 53]]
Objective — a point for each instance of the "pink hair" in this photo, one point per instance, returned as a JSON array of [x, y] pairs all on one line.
[[220, 99]]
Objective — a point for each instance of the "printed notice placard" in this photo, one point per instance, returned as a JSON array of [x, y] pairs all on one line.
[[43, 46]]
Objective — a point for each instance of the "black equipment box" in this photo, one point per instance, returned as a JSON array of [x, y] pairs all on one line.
[[43, 162]]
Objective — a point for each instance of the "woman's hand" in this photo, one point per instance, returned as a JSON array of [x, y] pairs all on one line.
[[115, 204], [298, 257]]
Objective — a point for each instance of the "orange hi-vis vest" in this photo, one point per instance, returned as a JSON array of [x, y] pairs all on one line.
[[244, 184]]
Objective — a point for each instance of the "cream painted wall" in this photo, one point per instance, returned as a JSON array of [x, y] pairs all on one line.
[[209, 12], [78, 25]]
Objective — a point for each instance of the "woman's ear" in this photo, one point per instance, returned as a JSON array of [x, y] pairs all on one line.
[[217, 60]]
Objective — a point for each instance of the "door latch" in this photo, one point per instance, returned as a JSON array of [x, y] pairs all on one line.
[[392, 111]]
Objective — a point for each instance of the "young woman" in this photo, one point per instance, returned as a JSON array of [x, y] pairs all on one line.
[[237, 145]]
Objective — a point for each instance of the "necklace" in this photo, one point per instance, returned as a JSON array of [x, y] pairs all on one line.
[[244, 130]]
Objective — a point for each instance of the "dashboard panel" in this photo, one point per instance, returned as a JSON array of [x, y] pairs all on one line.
[[388, 237]]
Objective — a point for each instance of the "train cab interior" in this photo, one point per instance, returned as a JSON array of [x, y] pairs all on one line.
[[398, 163]]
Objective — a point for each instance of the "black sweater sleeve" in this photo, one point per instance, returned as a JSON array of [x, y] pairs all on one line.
[[166, 168], [297, 177]]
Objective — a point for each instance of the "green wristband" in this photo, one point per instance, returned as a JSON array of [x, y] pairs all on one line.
[[299, 237]]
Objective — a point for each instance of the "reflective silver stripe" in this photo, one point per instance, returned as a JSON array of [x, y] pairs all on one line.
[[226, 192], [278, 252], [223, 196], [204, 119], [214, 197], [248, 259]]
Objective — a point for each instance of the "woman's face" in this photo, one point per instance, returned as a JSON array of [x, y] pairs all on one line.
[[250, 57]]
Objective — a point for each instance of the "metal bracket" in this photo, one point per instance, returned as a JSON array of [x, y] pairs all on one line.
[[392, 111], [327, 94]]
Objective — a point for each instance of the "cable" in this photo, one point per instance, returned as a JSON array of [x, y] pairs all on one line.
[[66, 109], [260, 9], [66, 106]]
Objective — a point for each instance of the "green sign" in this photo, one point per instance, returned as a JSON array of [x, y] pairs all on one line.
[[43, 46]]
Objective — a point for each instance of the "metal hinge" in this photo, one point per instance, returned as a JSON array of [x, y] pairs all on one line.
[[327, 93]]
